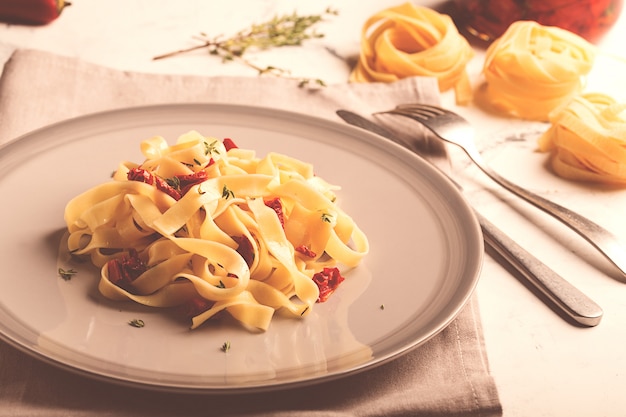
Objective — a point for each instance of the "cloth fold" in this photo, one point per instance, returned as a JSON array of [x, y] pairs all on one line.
[[446, 376]]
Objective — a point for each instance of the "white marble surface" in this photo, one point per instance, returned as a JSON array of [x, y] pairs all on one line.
[[543, 366]]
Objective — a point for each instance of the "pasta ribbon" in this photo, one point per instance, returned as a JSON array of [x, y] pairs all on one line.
[[211, 228], [533, 69], [410, 40], [587, 139]]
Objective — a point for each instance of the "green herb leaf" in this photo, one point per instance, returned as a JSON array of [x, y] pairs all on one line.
[[137, 323], [225, 347], [326, 217], [67, 274], [173, 182], [227, 193], [209, 148]]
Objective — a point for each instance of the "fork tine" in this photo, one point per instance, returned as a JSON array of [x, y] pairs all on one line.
[[417, 114], [420, 106], [426, 108]]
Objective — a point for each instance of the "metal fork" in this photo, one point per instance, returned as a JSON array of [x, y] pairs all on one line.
[[454, 129]]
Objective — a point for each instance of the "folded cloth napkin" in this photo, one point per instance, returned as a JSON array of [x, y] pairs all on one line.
[[448, 375]]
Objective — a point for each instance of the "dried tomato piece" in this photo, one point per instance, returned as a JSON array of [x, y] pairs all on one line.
[[276, 205], [306, 251], [188, 181], [327, 281], [162, 185], [141, 175], [245, 249], [193, 307], [145, 176], [126, 269], [229, 144]]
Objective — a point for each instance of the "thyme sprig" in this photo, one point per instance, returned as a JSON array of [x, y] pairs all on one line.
[[286, 30]]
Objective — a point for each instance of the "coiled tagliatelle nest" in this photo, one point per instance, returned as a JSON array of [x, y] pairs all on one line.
[[587, 139], [533, 69], [410, 40]]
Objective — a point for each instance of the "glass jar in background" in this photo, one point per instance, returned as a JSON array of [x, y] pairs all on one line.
[[488, 19]]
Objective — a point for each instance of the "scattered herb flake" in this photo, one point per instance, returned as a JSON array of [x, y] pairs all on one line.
[[67, 274], [225, 347], [137, 323], [210, 148], [227, 193]]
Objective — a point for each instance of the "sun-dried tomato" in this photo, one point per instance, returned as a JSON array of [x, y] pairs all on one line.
[[306, 251], [327, 281], [193, 307], [229, 144], [245, 249], [142, 175], [162, 185], [188, 181], [126, 269], [276, 205]]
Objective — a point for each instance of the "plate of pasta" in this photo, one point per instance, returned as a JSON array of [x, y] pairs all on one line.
[[215, 248]]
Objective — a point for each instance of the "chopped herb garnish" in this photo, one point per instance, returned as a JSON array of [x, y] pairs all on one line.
[[210, 148], [225, 347], [67, 274], [382, 306], [308, 81], [304, 311], [173, 182], [327, 217], [182, 230], [137, 323], [197, 162], [227, 193], [221, 284]]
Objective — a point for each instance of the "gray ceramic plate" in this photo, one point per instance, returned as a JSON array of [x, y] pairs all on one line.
[[424, 263]]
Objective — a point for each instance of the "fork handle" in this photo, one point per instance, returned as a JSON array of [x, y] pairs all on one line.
[[600, 238], [564, 295]]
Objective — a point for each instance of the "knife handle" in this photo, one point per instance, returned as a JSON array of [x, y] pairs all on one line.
[[564, 295]]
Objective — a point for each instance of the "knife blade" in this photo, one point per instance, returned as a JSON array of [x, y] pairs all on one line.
[[562, 294]]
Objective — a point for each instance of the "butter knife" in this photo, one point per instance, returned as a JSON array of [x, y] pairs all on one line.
[[562, 294]]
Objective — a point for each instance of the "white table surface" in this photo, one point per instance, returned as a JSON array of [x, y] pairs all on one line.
[[542, 365]]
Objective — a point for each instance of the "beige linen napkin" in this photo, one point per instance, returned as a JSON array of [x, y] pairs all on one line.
[[448, 375]]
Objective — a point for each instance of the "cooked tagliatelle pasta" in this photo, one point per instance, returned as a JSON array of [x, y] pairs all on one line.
[[587, 139], [210, 227]]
